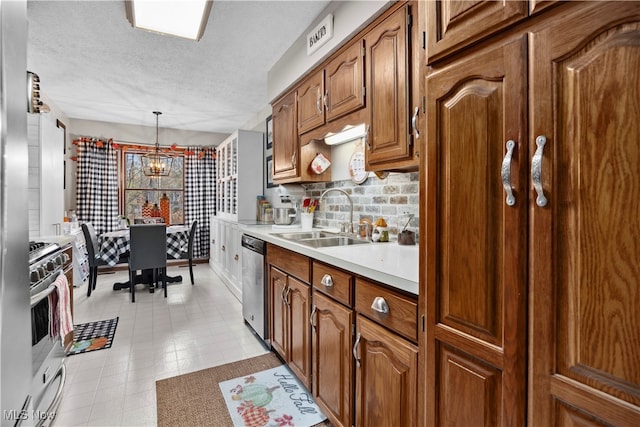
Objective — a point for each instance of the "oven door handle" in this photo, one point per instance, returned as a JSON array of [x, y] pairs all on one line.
[[57, 399], [42, 295]]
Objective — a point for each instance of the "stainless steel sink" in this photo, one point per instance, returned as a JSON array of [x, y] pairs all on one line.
[[320, 239], [304, 235], [332, 241]]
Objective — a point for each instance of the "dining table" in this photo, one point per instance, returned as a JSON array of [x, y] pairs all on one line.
[[114, 244]]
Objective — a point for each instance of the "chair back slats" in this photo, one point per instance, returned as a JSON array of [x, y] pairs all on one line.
[[91, 241], [148, 246], [192, 234]]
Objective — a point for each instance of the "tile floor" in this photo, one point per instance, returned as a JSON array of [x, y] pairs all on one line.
[[195, 327]]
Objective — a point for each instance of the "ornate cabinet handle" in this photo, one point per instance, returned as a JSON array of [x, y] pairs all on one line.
[[366, 138], [325, 98], [506, 173], [380, 305], [293, 158], [414, 123], [536, 171], [327, 280], [286, 297], [319, 102], [355, 349], [311, 318]]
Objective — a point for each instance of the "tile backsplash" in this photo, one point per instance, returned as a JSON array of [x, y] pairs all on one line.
[[391, 198]]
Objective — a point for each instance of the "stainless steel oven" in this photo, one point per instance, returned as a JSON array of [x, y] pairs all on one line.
[[46, 262]]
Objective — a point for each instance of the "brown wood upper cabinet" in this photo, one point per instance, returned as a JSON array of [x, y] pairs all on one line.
[[291, 158], [455, 24], [286, 153], [390, 140], [334, 91]]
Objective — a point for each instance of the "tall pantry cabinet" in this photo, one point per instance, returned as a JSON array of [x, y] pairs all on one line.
[[531, 213]]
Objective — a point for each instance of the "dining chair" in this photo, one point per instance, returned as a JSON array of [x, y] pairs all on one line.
[[187, 253], [147, 251], [93, 254]]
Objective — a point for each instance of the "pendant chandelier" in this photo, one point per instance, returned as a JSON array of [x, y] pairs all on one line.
[[156, 163]]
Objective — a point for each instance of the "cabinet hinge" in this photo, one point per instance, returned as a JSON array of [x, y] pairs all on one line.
[[409, 20], [364, 51], [353, 329], [422, 321], [364, 91], [424, 104]]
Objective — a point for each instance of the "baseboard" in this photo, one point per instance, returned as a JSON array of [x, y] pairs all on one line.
[[105, 269]]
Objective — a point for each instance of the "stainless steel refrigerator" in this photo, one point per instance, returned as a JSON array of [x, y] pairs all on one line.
[[15, 320]]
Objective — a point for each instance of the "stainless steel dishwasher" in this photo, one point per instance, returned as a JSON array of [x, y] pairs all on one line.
[[254, 289]]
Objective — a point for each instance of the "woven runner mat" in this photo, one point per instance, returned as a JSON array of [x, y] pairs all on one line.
[[195, 399]]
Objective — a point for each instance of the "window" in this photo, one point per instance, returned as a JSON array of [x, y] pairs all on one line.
[[139, 188]]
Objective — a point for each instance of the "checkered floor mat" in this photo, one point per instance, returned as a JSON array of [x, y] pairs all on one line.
[[93, 336]]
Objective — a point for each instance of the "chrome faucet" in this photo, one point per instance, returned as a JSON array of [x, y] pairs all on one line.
[[350, 226]]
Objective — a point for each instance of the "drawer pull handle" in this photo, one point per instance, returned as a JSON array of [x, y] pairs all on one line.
[[380, 305], [327, 280], [355, 349]]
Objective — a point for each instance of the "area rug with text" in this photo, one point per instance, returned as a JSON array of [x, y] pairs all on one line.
[[273, 397], [93, 336]]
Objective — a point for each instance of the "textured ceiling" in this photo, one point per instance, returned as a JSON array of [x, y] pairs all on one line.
[[93, 65]]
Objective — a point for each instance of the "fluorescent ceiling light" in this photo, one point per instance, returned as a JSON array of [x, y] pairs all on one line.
[[184, 18], [349, 133]]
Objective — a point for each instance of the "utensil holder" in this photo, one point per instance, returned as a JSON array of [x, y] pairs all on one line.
[[306, 220]]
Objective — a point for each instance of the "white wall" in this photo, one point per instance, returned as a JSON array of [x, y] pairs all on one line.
[[143, 134], [33, 140], [348, 18]]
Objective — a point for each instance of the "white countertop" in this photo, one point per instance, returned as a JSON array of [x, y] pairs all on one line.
[[389, 263], [62, 239]]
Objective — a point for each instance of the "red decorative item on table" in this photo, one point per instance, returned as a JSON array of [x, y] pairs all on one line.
[[146, 209], [165, 209], [155, 211]]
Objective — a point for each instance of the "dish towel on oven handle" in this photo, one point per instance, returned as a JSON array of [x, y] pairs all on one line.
[[60, 320]]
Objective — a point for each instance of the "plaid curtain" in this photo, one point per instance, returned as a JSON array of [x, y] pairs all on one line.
[[97, 184], [200, 195]]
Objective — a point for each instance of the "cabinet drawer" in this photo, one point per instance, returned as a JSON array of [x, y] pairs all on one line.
[[402, 314], [338, 285], [290, 262]]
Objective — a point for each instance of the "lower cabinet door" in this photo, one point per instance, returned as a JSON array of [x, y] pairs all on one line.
[[331, 328], [386, 377], [298, 298], [279, 335]]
